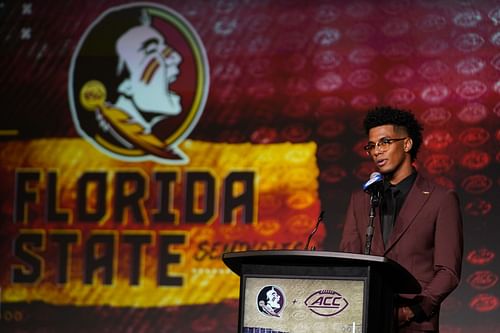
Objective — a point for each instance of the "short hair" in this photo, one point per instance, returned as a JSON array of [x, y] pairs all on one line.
[[386, 115]]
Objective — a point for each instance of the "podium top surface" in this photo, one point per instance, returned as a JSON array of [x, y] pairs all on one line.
[[405, 282]]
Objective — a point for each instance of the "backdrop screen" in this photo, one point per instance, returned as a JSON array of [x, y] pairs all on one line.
[[139, 141]]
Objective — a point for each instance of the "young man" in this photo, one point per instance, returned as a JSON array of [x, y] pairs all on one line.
[[418, 223]]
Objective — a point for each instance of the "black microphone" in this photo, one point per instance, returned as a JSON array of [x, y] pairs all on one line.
[[374, 184], [373, 187], [320, 218]]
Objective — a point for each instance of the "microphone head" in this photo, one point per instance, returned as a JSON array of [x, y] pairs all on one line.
[[375, 177]]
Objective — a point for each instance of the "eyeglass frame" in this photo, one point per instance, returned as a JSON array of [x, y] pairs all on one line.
[[382, 144]]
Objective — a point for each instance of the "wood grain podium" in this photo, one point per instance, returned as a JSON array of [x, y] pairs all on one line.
[[380, 280]]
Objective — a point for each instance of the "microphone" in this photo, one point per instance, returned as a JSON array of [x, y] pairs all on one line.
[[320, 218], [373, 187], [374, 183]]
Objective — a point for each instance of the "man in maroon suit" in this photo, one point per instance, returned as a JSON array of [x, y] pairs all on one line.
[[418, 223]]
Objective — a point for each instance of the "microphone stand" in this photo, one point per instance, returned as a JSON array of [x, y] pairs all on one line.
[[374, 202], [320, 218]]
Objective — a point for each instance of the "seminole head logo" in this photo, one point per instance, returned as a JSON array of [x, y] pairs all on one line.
[[270, 301], [138, 83]]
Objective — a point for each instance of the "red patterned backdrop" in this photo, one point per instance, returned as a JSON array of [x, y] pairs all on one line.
[[288, 82]]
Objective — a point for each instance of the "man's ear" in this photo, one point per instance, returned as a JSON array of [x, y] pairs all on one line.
[[408, 144], [125, 88]]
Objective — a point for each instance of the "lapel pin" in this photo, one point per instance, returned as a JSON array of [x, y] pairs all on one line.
[[425, 192]]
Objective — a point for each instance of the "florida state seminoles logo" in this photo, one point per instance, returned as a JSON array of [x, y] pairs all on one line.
[[138, 83], [270, 301]]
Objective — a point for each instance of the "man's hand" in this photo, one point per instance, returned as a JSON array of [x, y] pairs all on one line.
[[405, 314]]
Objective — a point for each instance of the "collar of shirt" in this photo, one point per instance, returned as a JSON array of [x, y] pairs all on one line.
[[403, 187]]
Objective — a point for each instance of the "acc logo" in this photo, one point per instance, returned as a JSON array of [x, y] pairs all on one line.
[[326, 303], [138, 83], [270, 301]]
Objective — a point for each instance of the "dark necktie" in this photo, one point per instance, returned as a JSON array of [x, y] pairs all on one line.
[[390, 212]]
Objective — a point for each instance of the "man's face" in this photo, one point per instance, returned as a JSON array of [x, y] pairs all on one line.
[[273, 299], [390, 158], [153, 66]]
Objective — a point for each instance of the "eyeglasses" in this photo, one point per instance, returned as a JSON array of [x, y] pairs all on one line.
[[382, 144]]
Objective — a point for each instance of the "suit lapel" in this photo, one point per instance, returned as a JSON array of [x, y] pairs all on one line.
[[415, 200]]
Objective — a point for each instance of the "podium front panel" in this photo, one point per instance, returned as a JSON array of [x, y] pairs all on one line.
[[318, 291], [305, 304]]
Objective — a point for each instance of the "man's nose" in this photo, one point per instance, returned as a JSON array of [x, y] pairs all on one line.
[[173, 59], [376, 151]]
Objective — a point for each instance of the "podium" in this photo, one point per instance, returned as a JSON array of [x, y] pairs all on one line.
[[291, 291]]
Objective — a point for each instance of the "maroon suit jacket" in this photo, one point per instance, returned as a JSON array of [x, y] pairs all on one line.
[[427, 240]]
